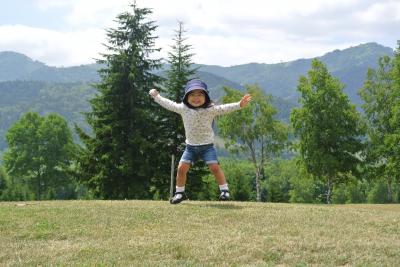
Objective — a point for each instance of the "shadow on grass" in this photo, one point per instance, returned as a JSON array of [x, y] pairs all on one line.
[[224, 206]]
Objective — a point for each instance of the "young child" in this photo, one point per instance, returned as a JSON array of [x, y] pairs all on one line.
[[198, 113]]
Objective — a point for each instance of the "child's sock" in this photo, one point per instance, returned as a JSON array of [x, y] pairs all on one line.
[[180, 189], [223, 187]]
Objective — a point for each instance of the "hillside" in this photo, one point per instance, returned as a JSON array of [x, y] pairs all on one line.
[[155, 233], [67, 99], [26, 84], [349, 65], [16, 66]]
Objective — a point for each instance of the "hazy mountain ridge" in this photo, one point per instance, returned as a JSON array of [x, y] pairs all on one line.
[[26, 84]]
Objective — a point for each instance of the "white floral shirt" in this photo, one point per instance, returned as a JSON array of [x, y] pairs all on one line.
[[197, 122]]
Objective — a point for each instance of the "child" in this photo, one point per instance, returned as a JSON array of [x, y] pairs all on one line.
[[198, 113]]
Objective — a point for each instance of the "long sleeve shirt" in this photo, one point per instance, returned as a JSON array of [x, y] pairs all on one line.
[[197, 122]]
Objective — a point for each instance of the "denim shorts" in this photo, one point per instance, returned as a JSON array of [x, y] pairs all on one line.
[[205, 152]]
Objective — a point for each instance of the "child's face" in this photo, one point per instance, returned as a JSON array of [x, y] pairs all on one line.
[[196, 98]]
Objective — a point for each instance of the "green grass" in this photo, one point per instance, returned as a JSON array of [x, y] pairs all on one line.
[[154, 233]]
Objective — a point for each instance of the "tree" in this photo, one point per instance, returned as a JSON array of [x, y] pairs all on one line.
[[170, 124], [378, 95], [118, 157], [3, 180], [253, 130], [328, 127], [40, 151], [394, 138]]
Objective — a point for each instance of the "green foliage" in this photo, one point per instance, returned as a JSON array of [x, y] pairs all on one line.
[[3, 180], [381, 95], [378, 192], [18, 97], [328, 127], [304, 188], [253, 130], [40, 152], [278, 175], [119, 156]]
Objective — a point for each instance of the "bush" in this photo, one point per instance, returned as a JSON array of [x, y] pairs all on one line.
[[378, 192]]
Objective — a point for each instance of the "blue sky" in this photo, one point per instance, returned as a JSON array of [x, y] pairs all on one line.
[[223, 32]]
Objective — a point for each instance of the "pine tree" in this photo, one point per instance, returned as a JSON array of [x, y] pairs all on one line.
[[170, 124], [117, 157]]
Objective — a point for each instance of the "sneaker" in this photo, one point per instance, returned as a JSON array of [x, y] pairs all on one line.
[[224, 195], [178, 198]]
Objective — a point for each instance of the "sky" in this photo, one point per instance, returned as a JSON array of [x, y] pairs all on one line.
[[221, 32]]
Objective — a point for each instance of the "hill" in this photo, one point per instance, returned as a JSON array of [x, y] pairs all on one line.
[[155, 233], [26, 84], [349, 65], [16, 66], [69, 100]]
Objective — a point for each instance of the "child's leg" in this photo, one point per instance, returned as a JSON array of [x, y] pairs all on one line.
[[218, 173], [220, 178], [179, 196], [183, 168]]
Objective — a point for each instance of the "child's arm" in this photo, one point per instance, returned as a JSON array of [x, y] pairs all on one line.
[[166, 103], [227, 108]]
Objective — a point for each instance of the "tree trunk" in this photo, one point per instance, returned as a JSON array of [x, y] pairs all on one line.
[[257, 169], [389, 189], [39, 191], [258, 191], [329, 192]]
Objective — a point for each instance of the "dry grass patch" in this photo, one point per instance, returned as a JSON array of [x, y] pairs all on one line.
[[154, 233]]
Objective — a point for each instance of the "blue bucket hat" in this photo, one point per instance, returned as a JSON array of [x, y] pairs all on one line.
[[196, 84]]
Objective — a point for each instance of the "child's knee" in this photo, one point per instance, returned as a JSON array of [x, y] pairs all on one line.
[[183, 168], [214, 167]]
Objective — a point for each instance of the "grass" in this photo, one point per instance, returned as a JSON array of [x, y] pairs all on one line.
[[155, 233]]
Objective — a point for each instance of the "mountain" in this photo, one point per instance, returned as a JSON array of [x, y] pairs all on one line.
[[16, 66], [26, 84], [349, 65]]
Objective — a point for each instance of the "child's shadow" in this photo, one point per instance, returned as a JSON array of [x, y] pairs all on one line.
[[224, 206]]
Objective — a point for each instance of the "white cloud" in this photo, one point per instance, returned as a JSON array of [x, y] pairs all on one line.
[[53, 47], [223, 32]]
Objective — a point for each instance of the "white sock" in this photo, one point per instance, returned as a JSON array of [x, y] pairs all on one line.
[[180, 189], [223, 187]]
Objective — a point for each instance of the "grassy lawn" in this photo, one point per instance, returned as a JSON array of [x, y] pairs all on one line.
[[155, 233]]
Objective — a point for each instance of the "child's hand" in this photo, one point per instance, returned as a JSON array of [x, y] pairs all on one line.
[[245, 100], [153, 92]]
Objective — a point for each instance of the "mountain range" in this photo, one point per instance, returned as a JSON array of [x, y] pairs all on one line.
[[27, 84]]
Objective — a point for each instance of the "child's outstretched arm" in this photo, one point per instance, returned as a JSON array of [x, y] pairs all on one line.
[[166, 103], [227, 108]]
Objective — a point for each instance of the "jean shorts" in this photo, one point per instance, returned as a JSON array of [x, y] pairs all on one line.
[[205, 152]]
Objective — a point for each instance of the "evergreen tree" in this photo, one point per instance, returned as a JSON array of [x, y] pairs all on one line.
[[328, 127], [117, 159], [170, 124]]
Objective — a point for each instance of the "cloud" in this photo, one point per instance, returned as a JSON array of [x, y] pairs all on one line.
[[223, 32], [53, 47]]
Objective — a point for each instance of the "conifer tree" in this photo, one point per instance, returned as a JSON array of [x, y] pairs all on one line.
[[170, 124], [116, 161]]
